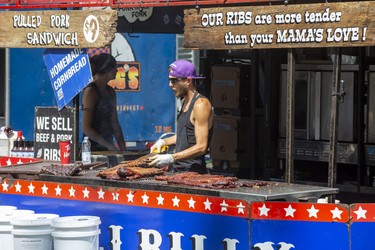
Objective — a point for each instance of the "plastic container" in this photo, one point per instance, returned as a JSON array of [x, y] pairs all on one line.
[[86, 150], [76, 232], [76, 240], [7, 208], [6, 236], [33, 231]]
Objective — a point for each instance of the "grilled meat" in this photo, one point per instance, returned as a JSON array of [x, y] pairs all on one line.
[[208, 181], [199, 180], [62, 170], [130, 170], [179, 176], [110, 174], [113, 173], [208, 178], [138, 172], [204, 180], [253, 184]]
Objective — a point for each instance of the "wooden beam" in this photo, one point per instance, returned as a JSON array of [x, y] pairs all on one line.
[[346, 24], [57, 29]]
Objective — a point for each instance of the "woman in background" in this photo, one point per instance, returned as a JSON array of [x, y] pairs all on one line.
[[99, 114]]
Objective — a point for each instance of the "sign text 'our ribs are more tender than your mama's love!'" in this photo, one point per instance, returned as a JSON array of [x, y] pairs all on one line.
[[279, 26]]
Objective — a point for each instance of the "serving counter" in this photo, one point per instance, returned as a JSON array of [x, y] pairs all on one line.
[[150, 214], [276, 191]]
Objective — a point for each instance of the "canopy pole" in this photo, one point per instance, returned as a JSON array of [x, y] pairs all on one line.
[[76, 128], [332, 160], [289, 170]]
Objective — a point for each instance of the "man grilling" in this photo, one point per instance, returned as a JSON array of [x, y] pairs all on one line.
[[194, 123]]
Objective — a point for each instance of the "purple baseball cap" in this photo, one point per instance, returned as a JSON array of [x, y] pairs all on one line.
[[183, 69]]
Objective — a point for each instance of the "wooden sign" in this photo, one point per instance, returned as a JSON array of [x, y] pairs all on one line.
[[57, 29], [282, 26]]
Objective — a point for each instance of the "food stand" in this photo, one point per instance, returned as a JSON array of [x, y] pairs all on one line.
[[149, 214], [175, 217]]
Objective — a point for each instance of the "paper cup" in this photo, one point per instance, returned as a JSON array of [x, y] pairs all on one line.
[[64, 152]]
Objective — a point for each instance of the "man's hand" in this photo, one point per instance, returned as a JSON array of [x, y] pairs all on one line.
[[161, 160], [156, 148]]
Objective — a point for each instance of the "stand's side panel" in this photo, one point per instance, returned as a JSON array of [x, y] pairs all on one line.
[[308, 226], [139, 219], [362, 226]]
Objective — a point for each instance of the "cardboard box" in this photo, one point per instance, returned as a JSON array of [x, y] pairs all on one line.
[[230, 86], [224, 139], [225, 164], [229, 138]]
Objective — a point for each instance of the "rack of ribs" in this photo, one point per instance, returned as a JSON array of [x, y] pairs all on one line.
[[131, 173], [59, 170], [199, 180], [112, 173], [179, 176], [208, 181]]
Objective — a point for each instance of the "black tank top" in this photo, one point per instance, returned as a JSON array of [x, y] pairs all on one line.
[[103, 115], [186, 139]]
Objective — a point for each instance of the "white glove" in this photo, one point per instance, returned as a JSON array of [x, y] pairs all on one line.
[[156, 148], [161, 160]]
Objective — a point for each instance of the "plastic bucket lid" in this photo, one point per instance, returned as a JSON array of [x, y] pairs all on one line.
[[76, 222], [34, 219], [7, 208], [8, 215], [31, 232], [64, 234]]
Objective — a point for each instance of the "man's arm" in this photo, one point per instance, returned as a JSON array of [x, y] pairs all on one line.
[[170, 140]]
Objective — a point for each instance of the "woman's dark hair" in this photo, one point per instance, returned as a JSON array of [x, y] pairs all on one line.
[[102, 63]]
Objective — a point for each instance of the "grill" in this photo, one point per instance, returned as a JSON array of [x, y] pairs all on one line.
[[274, 191]]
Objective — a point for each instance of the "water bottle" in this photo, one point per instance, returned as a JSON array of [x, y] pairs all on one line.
[[86, 150]]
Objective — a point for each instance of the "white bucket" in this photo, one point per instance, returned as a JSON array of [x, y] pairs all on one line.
[[7, 208], [33, 231], [76, 240], [6, 236], [76, 232]]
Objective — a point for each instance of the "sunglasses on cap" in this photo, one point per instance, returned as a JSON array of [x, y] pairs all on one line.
[[175, 80]]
